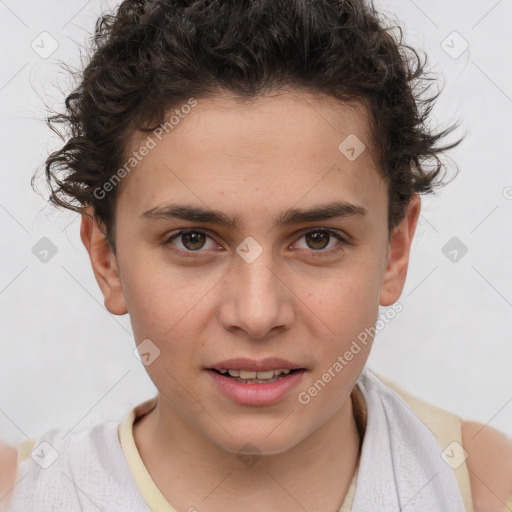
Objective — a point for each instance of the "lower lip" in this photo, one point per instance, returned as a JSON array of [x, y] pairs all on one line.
[[256, 394]]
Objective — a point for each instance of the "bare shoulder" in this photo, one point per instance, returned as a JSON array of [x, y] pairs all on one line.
[[8, 461], [490, 466]]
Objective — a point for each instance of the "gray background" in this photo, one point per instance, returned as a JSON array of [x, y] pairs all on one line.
[[66, 362]]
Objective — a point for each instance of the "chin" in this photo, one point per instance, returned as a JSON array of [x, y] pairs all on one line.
[[258, 442]]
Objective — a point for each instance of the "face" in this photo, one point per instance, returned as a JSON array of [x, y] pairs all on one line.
[[293, 265]]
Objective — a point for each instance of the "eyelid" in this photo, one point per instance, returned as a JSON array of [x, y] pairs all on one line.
[[332, 231]]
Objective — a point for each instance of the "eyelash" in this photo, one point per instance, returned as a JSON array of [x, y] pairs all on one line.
[[314, 254]]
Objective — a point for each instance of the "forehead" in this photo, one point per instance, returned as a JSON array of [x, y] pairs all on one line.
[[267, 153]]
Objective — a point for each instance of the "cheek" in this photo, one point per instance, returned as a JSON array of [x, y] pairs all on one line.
[[347, 302], [344, 312], [163, 300]]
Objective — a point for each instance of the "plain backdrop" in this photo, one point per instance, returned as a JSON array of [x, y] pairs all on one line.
[[66, 362]]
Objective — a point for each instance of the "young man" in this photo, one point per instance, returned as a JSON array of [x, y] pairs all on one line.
[[248, 175]]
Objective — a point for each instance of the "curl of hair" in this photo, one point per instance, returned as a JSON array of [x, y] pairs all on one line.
[[151, 56]]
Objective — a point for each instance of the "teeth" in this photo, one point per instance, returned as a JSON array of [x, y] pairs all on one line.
[[248, 375], [261, 375], [244, 374]]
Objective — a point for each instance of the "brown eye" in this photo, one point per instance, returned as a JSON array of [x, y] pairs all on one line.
[[190, 241], [318, 239], [193, 240], [321, 242]]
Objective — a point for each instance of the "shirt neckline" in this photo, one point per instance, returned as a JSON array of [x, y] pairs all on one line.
[[147, 487]]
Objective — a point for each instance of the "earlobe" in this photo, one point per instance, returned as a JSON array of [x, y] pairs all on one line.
[[398, 254], [104, 263]]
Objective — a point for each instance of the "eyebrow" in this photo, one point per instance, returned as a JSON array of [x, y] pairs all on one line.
[[336, 209]]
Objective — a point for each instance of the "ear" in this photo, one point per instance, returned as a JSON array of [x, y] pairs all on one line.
[[104, 263], [398, 254]]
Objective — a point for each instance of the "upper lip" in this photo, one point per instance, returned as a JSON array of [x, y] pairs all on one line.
[[253, 365]]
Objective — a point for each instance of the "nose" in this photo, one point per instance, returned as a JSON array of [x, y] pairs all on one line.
[[256, 297]]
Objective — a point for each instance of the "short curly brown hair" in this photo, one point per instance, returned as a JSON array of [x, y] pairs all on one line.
[[153, 55]]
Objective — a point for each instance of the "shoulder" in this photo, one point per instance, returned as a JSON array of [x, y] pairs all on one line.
[[8, 464], [54, 460], [489, 464]]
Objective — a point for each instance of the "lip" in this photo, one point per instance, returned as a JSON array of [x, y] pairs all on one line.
[[256, 394], [253, 365]]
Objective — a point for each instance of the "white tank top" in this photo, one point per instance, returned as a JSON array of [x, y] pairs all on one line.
[[99, 469]]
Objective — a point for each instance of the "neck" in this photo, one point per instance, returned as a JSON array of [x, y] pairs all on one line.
[[191, 471]]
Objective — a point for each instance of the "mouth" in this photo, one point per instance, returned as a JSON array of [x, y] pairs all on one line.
[[256, 383], [256, 377]]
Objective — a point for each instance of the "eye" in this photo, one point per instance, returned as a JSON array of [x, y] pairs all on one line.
[[317, 240], [191, 240], [187, 242]]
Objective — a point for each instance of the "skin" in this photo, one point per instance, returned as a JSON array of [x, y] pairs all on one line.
[[490, 466], [256, 160], [224, 156], [8, 457]]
